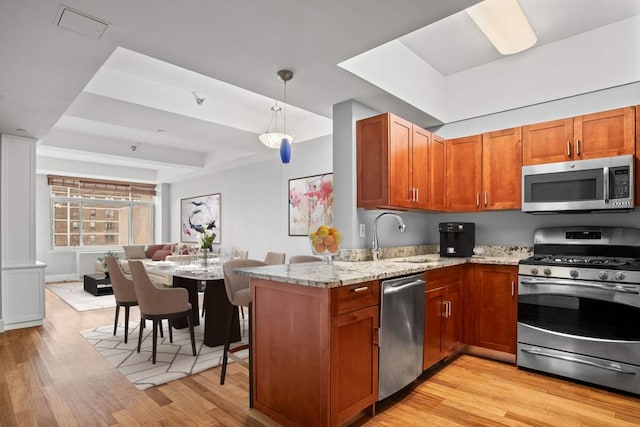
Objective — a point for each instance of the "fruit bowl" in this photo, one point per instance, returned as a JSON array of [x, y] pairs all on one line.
[[325, 241]]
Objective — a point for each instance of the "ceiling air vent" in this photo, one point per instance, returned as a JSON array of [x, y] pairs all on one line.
[[80, 23]]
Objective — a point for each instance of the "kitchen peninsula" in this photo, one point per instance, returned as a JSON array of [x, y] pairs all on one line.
[[315, 331]]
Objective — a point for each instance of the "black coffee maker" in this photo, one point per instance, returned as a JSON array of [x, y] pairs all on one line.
[[457, 239]]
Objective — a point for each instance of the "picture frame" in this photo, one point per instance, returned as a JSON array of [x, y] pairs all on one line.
[[310, 203], [198, 214]]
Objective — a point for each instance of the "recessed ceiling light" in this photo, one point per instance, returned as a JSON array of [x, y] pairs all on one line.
[[504, 24], [21, 130], [160, 130]]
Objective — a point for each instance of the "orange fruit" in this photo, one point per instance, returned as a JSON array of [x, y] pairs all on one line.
[[329, 240], [319, 247], [332, 231], [333, 248]]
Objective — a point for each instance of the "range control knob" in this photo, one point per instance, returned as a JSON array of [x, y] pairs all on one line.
[[602, 275], [547, 271], [573, 273], [619, 275], [534, 270]]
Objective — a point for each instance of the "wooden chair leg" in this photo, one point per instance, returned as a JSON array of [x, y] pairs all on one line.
[[242, 312], [204, 302], [250, 361], [115, 323], [227, 342], [155, 341], [192, 335], [126, 323], [140, 328], [161, 332], [170, 330]]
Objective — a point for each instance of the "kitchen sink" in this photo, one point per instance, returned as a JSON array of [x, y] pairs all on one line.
[[421, 259]]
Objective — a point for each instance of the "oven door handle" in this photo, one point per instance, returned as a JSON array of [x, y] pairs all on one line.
[[614, 288], [537, 352]]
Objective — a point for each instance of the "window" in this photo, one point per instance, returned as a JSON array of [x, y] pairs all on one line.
[[89, 212]]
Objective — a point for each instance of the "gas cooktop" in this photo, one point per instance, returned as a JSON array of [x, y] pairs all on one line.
[[584, 261]]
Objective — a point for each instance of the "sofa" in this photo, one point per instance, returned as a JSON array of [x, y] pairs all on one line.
[[146, 254]]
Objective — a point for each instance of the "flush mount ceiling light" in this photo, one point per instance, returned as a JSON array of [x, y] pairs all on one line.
[[272, 138], [504, 24]]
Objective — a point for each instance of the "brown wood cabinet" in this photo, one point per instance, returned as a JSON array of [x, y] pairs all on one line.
[[493, 300], [484, 172], [315, 351], [393, 163], [464, 173], [637, 171], [607, 133], [443, 315], [437, 165]]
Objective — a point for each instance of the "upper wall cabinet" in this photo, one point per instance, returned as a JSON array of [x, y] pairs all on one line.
[[484, 172], [393, 163], [637, 171], [608, 133]]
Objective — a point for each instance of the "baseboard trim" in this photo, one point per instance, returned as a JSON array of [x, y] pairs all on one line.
[[61, 278], [1, 325], [25, 324], [489, 354]]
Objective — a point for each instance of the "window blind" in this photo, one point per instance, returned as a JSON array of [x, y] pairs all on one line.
[[96, 185]]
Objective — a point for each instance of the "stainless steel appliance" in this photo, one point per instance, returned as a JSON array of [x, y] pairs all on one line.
[[401, 333], [457, 239], [581, 185], [579, 305]]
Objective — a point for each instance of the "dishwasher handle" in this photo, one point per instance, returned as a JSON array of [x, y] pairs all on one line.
[[402, 286]]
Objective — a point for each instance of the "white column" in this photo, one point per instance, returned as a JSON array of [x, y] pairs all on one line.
[[22, 278]]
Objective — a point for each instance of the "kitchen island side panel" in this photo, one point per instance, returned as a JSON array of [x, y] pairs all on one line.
[[291, 352]]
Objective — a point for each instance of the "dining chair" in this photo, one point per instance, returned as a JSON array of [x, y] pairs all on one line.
[[239, 295], [296, 259], [123, 291], [275, 258], [160, 303]]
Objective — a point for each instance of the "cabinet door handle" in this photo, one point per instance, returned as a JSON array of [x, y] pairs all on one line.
[[360, 289], [417, 194], [477, 199], [449, 306], [513, 288], [568, 148], [577, 147], [486, 198]]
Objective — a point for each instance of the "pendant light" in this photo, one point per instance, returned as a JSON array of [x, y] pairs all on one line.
[[273, 138], [285, 143]]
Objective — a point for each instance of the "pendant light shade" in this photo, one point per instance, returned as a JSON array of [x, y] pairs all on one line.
[[273, 138], [285, 150]]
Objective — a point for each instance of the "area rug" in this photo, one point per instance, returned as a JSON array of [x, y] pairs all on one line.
[[173, 360], [73, 293]]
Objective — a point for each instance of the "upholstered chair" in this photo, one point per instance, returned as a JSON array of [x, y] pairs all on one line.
[[296, 259], [160, 303], [274, 258], [239, 254], [123, 291], [239, 295]]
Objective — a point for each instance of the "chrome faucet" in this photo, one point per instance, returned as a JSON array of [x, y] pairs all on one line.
[[375, 252]]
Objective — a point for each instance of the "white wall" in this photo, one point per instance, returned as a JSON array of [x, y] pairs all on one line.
[[254, 199]]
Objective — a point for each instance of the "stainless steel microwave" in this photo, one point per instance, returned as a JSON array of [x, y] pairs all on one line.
[[582, 185]]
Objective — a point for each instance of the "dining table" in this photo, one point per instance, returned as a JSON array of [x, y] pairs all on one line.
[[209, 279]]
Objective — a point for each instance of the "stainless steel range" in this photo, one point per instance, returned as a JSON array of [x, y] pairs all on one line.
[[579, 305]]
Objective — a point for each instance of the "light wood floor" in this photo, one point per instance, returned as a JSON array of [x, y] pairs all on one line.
[[50, 376]]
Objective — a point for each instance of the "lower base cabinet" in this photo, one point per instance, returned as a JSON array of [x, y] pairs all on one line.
[[315, 351], [443, 315], [493, 301]]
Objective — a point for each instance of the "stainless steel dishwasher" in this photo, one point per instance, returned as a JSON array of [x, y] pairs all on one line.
[[401, 333]]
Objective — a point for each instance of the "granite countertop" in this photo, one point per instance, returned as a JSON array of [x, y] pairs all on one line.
[[343, 273]]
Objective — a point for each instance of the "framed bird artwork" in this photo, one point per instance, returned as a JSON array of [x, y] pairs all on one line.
[[198, 215]]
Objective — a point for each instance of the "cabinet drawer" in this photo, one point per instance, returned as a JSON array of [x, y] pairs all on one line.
[[441, 277], [348, 298]]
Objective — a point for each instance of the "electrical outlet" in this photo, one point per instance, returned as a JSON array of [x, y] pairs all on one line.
[[362, 230]]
